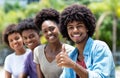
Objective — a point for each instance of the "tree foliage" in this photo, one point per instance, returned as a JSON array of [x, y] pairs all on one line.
[[15, 13]]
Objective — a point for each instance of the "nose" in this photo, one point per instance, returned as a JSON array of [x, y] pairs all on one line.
[[15, 41], [49, 32], [75, 29], [28, 40]]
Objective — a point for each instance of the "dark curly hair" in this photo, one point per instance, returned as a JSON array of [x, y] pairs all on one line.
[[27, 24], [77, 12], [8, 31], [46, 14]]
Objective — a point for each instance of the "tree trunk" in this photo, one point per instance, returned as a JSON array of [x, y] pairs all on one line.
[[114, 36]]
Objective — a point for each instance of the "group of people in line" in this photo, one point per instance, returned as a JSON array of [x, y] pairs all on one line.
[[88, 58]]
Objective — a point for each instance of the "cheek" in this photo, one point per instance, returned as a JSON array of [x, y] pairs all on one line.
[[69, 32], [10, 44], [45, 36], [37, 40], [24, 41], [21, 42]]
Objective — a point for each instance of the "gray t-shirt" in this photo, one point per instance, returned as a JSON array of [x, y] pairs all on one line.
[[49, 69]]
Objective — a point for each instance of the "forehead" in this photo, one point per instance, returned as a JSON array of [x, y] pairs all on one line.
[[48, 23], [10, 36], [28, 32], [75, 23]]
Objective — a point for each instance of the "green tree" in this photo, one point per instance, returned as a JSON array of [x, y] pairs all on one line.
[[110, 17]]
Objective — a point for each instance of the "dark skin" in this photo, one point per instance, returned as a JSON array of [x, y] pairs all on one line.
[[31, 40], [51, 53], [39, 71], [78, 33], [50, 31], [15, 43], [54, 46]]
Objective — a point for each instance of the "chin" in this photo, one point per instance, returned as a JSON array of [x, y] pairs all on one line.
[[77, 42]]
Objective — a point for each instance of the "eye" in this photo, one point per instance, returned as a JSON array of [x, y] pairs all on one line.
[[44, 31], [17, 38], [51, 28], [10, 40], [31, 36], [25, 38], [70, 28], [80, 26]]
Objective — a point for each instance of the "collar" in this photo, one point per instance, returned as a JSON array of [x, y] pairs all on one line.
[[88, 46]]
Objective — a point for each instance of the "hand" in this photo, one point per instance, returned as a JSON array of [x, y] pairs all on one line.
[[63, 59]]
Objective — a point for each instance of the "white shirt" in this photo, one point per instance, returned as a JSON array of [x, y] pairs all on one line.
[[14, 64]]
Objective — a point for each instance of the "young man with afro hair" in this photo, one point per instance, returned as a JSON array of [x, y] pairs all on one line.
[[91, 58]]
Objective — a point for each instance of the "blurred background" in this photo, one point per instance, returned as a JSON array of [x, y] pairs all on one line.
[[107, 13]]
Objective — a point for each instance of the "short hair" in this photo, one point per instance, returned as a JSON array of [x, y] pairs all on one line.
[[27, 24], [80, 13], [8, 31], [46, 14]]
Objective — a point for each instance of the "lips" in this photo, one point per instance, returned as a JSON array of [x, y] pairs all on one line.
[[16, 45], [76, 35], [29, 44], [51, 37]]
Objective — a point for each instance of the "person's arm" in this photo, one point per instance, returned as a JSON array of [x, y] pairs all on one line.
[[22, 75], [63, 60], [39, 73], [36, 61], [7, 74], [7, 67], [81, 71]]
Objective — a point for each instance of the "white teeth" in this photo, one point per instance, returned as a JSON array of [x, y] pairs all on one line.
[[51, 37], [30, 44], [15, 45], [76, 35]]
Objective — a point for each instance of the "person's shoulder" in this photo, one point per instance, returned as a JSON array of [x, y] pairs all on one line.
[[69, 48], [30, 54], [28, 51], [10, 56], [100, 46], [39, 49], [100, 43], [40, 46]]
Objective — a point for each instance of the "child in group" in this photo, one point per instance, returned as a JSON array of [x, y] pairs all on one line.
[[14, 63], [31, 39], [44, 55]]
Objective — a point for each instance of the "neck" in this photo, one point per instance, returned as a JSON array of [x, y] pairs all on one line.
[[54, 47], [34, 47], [81, 46], [20, 51]]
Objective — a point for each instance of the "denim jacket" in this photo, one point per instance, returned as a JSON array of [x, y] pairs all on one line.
[[98, 59]]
